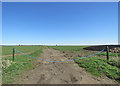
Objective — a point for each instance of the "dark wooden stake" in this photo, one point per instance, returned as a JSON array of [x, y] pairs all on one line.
[[13, 53], [107, 51]]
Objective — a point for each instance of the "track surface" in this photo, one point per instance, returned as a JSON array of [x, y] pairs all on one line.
[[59, 73]]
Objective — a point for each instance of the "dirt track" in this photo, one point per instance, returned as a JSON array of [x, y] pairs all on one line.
[[59, 73]]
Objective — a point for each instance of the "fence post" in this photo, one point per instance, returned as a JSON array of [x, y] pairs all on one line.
[[13, 53], [107, 51]]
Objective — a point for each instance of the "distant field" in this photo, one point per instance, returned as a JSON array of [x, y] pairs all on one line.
[[74, 49], [79, 49], [67, 48], [22, 63], [7, 50]]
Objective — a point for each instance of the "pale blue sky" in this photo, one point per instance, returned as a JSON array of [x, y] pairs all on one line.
[[60, 23]]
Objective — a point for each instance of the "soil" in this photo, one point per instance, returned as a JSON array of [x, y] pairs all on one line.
[[112, 48], [61, 72]]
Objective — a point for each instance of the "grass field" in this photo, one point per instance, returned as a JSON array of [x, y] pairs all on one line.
[[7, 50], [22, 63], [67, 48], [79, 49]]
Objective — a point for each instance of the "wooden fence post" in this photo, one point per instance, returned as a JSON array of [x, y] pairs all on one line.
[[13, 53], [107, 51]]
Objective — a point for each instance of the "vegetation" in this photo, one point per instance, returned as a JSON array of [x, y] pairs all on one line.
[[100, 66], [110, 54], [8, 50], [22, 63], [67, 48]]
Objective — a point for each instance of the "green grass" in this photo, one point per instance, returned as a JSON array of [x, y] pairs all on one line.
[[8, 50], [67, 48], [99, 67], [110, 54], [21, 64]]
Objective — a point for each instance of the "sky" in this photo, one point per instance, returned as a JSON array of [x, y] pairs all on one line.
[[62, 23]]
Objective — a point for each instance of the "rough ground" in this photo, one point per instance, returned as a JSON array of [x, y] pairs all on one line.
[[59, 73]]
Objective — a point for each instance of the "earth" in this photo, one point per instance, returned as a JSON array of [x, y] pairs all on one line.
[[60, 72]]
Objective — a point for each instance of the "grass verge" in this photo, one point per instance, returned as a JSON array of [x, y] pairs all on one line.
[[99, 67], [21, 64]]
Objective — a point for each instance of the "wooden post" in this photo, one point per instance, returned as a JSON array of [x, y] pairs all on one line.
[[107, 51], [13, 53]]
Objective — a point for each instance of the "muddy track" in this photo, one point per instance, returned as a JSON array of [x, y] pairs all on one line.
[[59, 73]]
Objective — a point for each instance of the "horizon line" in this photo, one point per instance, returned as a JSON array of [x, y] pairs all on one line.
[[53, 44]]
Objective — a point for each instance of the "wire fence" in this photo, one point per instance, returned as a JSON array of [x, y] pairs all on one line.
[[59, 61]]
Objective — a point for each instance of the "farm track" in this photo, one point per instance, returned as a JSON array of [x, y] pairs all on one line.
[[59, 73]]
